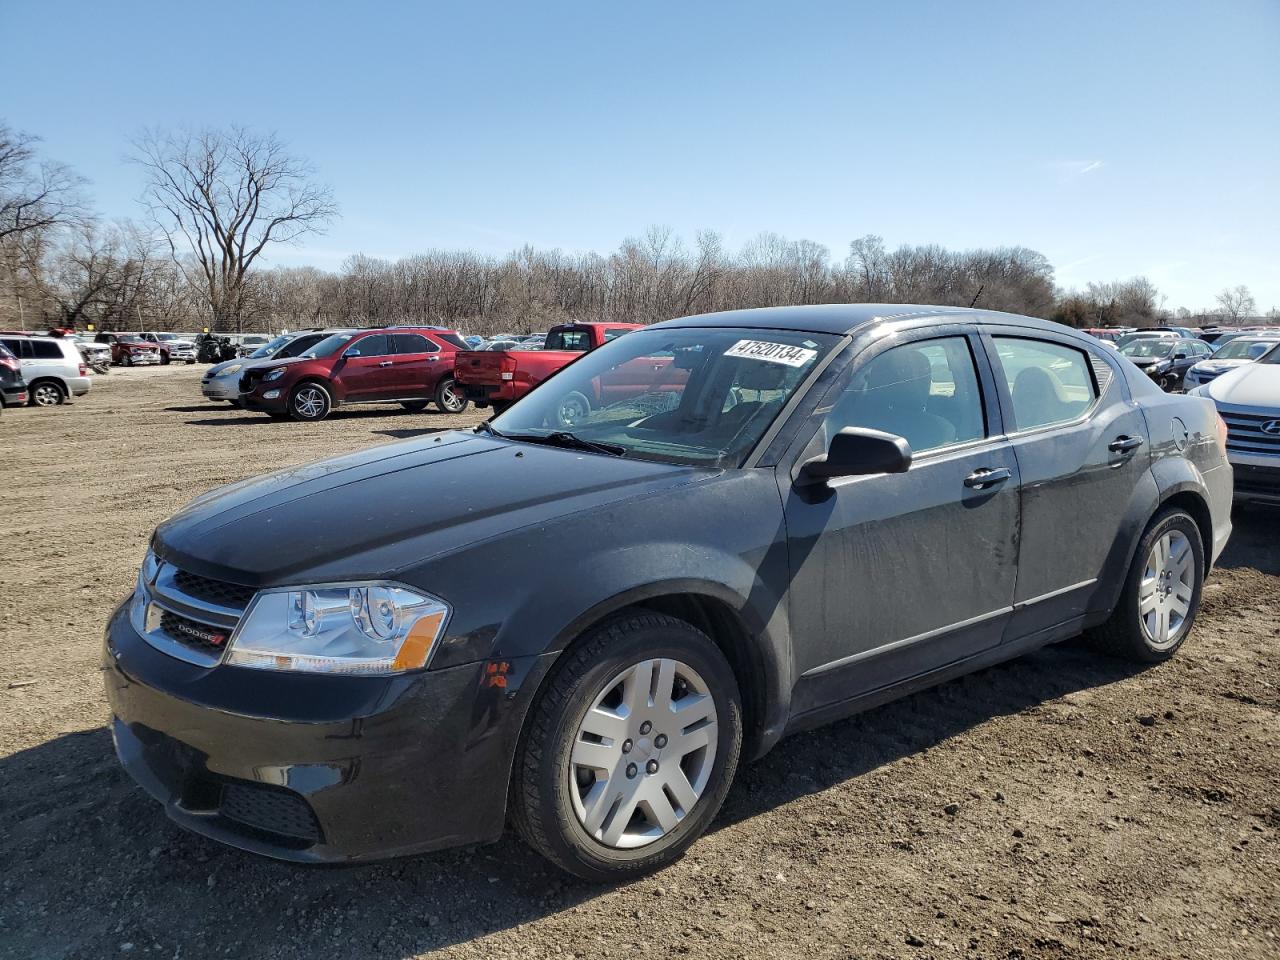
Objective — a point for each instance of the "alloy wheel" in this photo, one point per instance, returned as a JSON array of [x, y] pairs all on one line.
[[46, 395], [643, 753], [1167, 587], [573, 408], [309, 402], [450, 399]]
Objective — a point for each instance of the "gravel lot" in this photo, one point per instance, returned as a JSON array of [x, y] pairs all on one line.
[[1095, 809]]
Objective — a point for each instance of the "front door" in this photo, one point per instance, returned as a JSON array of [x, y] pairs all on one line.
[[894, 575], [366, 368]]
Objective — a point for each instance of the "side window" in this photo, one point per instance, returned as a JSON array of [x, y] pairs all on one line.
[[375, 345], [925, 392], [45, 350], [1048, 382], [613, 333], [413, 343], [20, 348]]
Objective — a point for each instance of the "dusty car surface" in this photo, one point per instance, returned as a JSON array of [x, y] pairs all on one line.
[[807, 511]]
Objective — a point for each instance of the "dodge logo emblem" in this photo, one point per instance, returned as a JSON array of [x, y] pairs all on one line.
[[1271, 428]]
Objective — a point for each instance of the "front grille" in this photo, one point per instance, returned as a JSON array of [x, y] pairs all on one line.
[[1245, 433], [273, 810], [213, 591], [201, 637]]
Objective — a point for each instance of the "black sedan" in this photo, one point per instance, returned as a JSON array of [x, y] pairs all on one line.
[[757, 522], [1166, 360], [13, 388]]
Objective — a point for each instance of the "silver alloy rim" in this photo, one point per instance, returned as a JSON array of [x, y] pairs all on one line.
[[46, 395], [452, 402], [309, 402], [1168, 584], [643, 753], [571, 411]]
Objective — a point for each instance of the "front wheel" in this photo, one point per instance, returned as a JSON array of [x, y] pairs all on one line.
[[630, 749], [309, 402], [1161, 594], [448, 397], [414, 406]]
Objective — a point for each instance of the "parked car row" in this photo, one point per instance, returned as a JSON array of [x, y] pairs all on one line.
[[51, 367], [1179, 358]]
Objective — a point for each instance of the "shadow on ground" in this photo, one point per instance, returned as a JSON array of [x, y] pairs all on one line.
[[93, 863]]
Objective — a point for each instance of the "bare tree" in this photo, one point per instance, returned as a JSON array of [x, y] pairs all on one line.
[[34, 195], [1236, 303], [224, 195]]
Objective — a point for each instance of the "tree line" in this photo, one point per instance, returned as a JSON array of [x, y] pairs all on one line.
[[216, 202]]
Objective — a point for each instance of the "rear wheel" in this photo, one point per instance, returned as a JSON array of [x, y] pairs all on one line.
[[46, 393], [414, 406], [448, 397], [630, 749], [1161, 594], [309, 402]]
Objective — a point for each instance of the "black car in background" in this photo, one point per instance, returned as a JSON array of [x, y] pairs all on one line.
[[1166, 360], [13, 388], [758, 521]]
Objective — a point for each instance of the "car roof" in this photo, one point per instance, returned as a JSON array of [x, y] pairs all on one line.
[[845, 318]]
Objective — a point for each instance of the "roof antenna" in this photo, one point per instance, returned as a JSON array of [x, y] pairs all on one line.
[[976, 295]]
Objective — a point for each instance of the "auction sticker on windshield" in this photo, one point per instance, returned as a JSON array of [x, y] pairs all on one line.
[[771, 352]]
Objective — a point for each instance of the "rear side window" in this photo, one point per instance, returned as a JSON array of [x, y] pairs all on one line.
[[453, 340], [925, 392], [376, 345], [568, 340], [1048, 382], [45, 350], [413, 343], [613, 333]]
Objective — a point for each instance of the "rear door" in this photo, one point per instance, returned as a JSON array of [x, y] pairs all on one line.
[[365, 368], [1081, 447], [415, 366]]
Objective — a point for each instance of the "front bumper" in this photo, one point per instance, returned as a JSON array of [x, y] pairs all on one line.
[[254, 399], [15, 396], [187, 353], [504, 392], [221, 388], [314, 768], [1257, 478]]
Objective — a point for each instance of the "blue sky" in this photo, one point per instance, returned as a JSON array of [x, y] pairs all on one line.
[[1118, 138]]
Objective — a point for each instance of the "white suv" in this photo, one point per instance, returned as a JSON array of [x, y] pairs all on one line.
[[52, 367]]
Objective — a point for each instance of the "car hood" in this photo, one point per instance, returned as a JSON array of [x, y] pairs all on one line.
[[1249, 385], [369, 514], [1218, 366], [244, 363], [178, 343], [1144, 362]]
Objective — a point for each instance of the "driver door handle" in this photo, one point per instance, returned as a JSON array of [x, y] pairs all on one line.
[[986, 477], [1124, 444]]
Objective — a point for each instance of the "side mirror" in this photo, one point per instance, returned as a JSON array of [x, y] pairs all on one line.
[[351, 352], [858, 451], [1179, 356]]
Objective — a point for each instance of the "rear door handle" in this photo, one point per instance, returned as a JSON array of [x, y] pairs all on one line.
[[987, 477], [385, 363], [1124, 444]]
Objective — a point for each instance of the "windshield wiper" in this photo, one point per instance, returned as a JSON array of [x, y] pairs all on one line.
[[484, 425], [570, 441]]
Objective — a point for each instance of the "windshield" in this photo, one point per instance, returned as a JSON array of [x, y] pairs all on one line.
[[695, 396], [1147, 347], [166, 336], [267, 349], [328, 346], [1242, 349]]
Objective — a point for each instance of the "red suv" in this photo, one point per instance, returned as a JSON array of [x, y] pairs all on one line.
[[411, 366]]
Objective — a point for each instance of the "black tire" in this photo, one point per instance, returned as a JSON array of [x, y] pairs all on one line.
[[127, 359], [164, 360], [46, 393], [190, 362], [1125, 634], [414, 406], [448, 397], [310, 395], [542, 801], [572, 408]]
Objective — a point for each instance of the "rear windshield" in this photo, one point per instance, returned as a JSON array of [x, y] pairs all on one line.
[[453, 340], [568, 340]]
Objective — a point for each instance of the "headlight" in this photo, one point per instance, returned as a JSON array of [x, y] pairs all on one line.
[[234, 368], [142, 591], [275, 374], [365, 628]]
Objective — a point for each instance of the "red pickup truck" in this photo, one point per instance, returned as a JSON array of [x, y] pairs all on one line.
[[498, 378]]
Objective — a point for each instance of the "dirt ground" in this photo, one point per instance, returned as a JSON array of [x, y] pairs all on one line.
[[1100, 810]]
